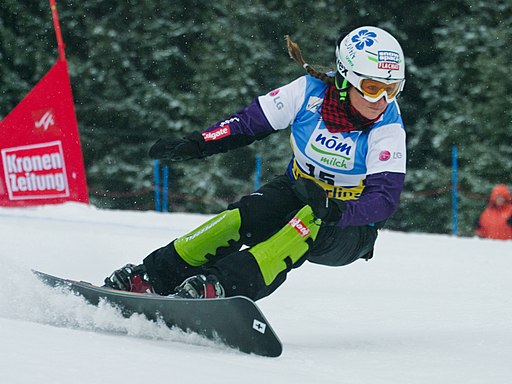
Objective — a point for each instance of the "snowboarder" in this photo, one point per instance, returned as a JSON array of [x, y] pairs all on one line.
[[342, 184]]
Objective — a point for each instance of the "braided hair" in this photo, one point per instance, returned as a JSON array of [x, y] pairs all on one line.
[[294, 52], [341, 84]]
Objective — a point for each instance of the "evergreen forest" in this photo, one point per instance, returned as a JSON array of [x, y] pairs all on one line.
[[141, 70]]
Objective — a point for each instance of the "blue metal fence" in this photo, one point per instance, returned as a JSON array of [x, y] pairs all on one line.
[[162, 188]]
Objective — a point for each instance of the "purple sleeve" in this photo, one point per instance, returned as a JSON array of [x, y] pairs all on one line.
[[378, 201], [250, 121]]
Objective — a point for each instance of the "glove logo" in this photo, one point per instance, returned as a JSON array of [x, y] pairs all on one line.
[[217, 134]]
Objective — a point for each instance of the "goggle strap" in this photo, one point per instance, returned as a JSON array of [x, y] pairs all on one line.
[[343, 88]]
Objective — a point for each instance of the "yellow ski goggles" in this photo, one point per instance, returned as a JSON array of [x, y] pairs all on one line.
[[373, 90], [369, 88]]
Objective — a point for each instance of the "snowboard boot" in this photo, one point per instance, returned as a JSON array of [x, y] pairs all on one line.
[[200, 287], [130, 278]]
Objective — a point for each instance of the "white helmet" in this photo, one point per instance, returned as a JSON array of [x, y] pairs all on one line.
[[372, 60]]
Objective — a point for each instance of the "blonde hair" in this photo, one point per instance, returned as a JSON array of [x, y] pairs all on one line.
[[294, 52]]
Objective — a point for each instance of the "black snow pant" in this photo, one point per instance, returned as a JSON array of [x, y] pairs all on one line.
[[262, 213]]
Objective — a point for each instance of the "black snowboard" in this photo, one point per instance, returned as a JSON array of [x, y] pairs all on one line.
[[235, 321]]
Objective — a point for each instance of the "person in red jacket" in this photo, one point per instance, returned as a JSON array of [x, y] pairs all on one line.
[[495, 222]]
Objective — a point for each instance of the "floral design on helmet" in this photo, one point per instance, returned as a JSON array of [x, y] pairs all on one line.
[[364, 38]]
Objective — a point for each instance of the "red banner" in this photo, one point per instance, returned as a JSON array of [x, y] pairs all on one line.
[[41, 158]]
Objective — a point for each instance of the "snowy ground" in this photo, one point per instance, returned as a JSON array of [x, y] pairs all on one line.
[[426, 309]]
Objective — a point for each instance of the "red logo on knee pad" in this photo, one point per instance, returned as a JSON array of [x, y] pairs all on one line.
[[299, 226]]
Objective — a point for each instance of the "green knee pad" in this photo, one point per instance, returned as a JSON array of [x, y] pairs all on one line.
[[204, 240], [289, 242]]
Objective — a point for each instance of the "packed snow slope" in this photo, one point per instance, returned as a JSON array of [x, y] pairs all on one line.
[[426, 309]]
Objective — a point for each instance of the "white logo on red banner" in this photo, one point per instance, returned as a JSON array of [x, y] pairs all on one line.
[[45, 121], [35, 171]]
